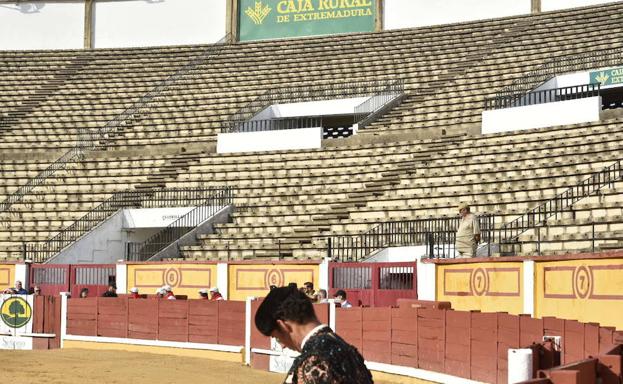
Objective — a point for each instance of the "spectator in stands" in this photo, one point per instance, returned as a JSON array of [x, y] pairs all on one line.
[[468, 233], [111, 291], [340, 297], [215, 295], [168, 293], [36, 291], [84, 293], [288, 315], [159, 292], [17, 290], [321, 296], [309, 290], [134, 293], [203, 293]]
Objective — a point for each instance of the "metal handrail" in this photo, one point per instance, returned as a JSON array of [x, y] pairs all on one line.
[[438, 234], [88, 138], [274, 124], [509, 232], [367, 111], [309, 93], [563, 64], [174, 231], [543, 96], [43, 250]]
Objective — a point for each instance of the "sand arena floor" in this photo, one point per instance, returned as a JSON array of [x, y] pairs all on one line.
[[85, 366]]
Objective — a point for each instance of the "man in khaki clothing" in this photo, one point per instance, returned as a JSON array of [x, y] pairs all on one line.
[[468, 234]]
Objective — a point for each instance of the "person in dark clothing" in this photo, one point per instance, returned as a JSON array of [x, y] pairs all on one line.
[[325, 358], [111, 292]]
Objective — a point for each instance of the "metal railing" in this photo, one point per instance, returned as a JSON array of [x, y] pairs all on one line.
[[380, 102], [309, 93], [207, 208], [509, 232], [274, 124], [438, 234], [564, 64], [88, 138], [41, 251], [544, 96]]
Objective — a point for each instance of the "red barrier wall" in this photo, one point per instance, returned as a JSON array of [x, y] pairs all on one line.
[[197, 321], [47, 319], [472, 345]]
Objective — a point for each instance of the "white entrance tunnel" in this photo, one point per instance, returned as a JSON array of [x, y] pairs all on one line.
[[335, 107], [301, 138], [541, 115]]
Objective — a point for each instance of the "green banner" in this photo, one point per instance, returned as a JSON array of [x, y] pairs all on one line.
[[274, 19], [610, 76]]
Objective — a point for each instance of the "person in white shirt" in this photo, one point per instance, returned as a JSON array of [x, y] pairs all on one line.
[[340, 297], [468, 233]]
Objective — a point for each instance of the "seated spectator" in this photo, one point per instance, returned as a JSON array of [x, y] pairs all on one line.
[[159, 292], [84, 293], [203, 293], [321, 296], [168, 293], [340, 297], [19, 290], [111, 292], [215, 294], [309, 290], [134, 293], [36, 291]]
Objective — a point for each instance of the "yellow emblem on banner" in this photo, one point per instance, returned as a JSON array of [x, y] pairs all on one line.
[[602, 78], [15, 312], [259, 13]]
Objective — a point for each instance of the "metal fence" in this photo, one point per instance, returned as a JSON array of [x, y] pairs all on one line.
[[379, 103], [564, 64], [177, 197], [437, 234], [274, 124], [207, 208], [544, 96], [89, 138]]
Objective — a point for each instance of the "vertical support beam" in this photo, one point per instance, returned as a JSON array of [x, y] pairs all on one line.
[[222, 279], [535, 6], [231, 23], [64, 296], [323, 275], [332, 314], [21, 274], [380, 15], [88, 24], [247, 331], [426, 281], [122, 277], [528, 287]]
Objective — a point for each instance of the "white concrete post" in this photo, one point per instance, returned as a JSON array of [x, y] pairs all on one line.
[[332, 314], [222, 279], [122, 277], [519, 365], [323, 277], [21, 274], [528, 287], [426, 281], [247, 331], [64, 296]]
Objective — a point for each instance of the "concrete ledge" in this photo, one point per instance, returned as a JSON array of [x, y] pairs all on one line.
[[430, 376]]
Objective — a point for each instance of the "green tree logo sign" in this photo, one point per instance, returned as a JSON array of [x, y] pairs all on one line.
[[15, 312]]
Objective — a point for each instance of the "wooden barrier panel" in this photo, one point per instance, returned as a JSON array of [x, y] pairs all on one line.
[[231, 317], [508, 337], [143, 319], [203, 325], [348, 324], [376, 334], [82, 316], [431, 339], [484, 346], [458, 343], [112, 316], [173, 320], [404, 337], [46, 319]]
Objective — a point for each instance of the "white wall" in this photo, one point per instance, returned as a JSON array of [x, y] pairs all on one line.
[[417, 13], [551, 5], [41, 25], [153, 217], [158, 22], [541, 115], [303, 138], [312, 108]]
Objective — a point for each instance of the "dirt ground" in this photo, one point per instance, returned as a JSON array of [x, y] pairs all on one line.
[[83, 366]]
